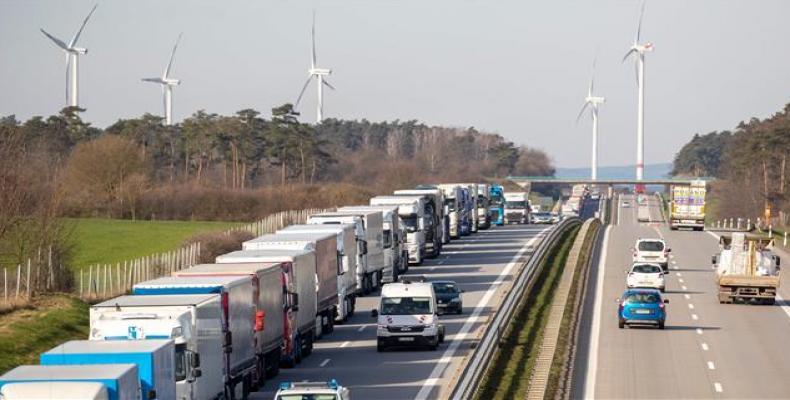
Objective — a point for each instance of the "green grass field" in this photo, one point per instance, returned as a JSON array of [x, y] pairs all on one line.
[[111, 240]]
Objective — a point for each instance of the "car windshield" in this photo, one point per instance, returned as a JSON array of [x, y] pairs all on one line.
[[307, 396], [516, 204], [642, 298], [444, 288], [410, 223], [651, 246], [646, 269], [405, 305]]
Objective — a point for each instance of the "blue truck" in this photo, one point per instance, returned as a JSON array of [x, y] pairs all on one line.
[[497, 204], [89, 382], [154, 360]]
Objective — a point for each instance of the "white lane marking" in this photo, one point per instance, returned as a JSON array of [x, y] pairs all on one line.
[[717, 237], [361, 328], [441, 364], [674, 262], [699, 331], [691, 306], [711, 366], [675, 267], [784, 305], [440, 262], [592, 357], [431, 269], [681, 280], [705, 346], [344, 344], [694, 317], [718, 387], [678, 274], [324, 363], [686, 296], [684, 288]]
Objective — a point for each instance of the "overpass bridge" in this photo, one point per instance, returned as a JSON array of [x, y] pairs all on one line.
[[527, 181]]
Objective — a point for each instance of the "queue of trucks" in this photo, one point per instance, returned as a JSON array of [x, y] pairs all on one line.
[[219, 330]]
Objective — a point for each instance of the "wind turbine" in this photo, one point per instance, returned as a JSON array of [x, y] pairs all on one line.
[[639, 50], [319, 74], [593, 102], [72, 61], [168, 84]]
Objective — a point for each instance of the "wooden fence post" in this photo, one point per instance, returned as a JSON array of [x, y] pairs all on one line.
[[28, 279], [18, 278]]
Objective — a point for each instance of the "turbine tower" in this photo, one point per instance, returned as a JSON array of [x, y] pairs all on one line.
[[319, 74], [639, 50], [167, 84], [593, 102], [72, 61]]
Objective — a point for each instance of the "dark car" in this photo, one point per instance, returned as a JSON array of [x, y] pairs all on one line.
[[448, 297]]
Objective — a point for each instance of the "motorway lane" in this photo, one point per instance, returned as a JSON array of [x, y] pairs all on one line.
[[708, 350], [478, 264]]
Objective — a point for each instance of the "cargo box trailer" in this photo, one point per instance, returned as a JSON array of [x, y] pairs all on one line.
[[411, 214], [434, 211], [396, 257], [95, 382]]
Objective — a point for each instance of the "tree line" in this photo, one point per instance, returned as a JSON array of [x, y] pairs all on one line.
[[749, 164]]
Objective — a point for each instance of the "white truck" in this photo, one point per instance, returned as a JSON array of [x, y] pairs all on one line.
[[747, 269], [370, 235], [83, 382], [326, 268], [347, 285], [483, 205], [238, 316], [516, 208], [271, 302], [179, 318], [302, 283], [474, 217], [396, 257], [155, 361], [411, 211], [687, 206], [452, 195], [434, 211]]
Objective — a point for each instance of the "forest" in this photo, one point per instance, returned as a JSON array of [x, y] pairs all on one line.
[[749, 164]]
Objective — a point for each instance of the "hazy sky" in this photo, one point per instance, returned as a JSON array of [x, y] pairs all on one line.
[[518, 68]]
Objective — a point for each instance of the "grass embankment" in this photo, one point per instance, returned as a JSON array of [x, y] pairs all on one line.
[[508, 376], [105, 241], [51, 320]]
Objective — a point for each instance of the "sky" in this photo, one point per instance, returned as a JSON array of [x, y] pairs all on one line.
[[519, 68]]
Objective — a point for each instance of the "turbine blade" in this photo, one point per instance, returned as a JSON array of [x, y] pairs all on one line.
[[154, 80], [79, 32], [304, 87], [327, 84], [628, 54], [68, 75], [314, 59], [636, 70], [592, 78], [172, 55], [57, 41], [584, 107], [639, 26]]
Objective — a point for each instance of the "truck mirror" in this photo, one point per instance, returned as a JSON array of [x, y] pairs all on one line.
[[295, 300], [666, 301], [197, 373], [669, 250], [228, 340], [151, 395], [364, 247], [194, 359], [778, 261], [374, 313], [713, 260]]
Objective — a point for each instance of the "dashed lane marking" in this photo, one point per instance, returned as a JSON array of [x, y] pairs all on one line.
[[678, 274], [694, 317], [324, 363], [346, 343], [681, 280], [687, 296], [718, 388], [361, 328], [691, 306], [711, 366], [699, 331], [684, 288], [705, 346]]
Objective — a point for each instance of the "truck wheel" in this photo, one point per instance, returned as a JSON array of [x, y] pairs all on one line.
[[770, 301], [330, 325], [308, 345], [661, 325], [273, 364], [380, 346], [435, 345], [621, 323], [246, 387]]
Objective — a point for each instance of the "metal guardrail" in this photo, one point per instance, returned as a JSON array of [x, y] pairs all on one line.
[[470, 380]]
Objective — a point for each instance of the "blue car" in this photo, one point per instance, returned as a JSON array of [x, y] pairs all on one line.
[[642, 306]]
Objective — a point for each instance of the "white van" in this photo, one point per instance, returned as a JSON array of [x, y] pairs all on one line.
[[408, 316]]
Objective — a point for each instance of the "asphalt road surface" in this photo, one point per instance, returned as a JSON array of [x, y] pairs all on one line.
[[708, 350], [482, 264]]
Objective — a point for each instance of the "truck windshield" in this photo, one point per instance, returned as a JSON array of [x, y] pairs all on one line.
[[450, 203], [405, 305], [387, 238], [181, 362], [481, 202], [410, 223], [516, 204], [307, 396]]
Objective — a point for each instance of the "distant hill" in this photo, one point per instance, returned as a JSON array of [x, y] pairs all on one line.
[[652, 171]]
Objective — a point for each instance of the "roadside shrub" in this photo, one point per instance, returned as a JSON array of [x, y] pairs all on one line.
[[218, 243]]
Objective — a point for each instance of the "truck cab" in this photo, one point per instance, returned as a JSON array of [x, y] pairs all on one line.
[[516, 208], [408, 316], [497, 204], [411, 214], [483, 206], [396, 257], [434, 210], [452, 207]]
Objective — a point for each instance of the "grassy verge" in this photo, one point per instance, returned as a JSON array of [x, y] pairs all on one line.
[[508, 376], [26, 333], [568, 327], [112, 240]]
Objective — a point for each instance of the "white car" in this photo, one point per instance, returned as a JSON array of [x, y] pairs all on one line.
[[645, 276], [408, 316], [654, 251]]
